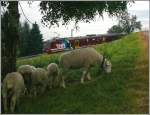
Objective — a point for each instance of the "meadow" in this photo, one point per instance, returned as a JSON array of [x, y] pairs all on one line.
[[124, 90]]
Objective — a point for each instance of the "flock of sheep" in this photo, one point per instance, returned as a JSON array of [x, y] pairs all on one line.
[[29, 80]]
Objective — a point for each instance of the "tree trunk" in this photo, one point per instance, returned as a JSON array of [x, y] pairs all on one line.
[[10, 39]]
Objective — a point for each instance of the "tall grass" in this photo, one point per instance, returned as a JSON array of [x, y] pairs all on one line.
[[105, 93]]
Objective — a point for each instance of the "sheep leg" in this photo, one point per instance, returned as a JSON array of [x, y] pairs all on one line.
[[63, 82], [25, 92], [5, 104], [17, 102], [26, 80], [83, 76], [88, 76], [43, 88], [13, 103], [30, 84], [50, 81], [85, 72], [61, 77], [34, 91], [56, 81], [4, 96]]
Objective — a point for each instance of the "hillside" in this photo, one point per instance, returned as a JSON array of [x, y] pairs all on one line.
[[124, 90]]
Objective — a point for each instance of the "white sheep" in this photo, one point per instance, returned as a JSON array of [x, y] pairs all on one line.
[[53, 71], [83, 58], [26, 71], [13, 88], [39, 81]]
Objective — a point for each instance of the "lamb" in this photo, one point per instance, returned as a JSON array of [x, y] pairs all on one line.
[[13, 88], [39, 81], [53, 72], [82, 58], [26, 71]]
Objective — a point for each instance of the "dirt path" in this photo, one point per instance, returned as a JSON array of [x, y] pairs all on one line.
[[143, 102], [145, 38], [138, 88]]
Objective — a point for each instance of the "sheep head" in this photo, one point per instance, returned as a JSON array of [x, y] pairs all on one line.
[[106, 65]]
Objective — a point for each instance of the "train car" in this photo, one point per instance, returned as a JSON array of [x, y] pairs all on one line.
[[63, 44], [57, 45]]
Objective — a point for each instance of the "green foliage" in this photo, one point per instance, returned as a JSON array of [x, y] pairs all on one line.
[[115, 29], [31, 42], [24, 39], [54, 11], [4, 28], [106, 93], [4, 3], [127, 24], [36, 42], [10, 37], [4, 35]]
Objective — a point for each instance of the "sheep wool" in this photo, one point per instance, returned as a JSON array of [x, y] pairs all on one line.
[[26, 71], [78, 58], [82, 58], [12, 89], [39, 81], [53, 71], [23, 69]]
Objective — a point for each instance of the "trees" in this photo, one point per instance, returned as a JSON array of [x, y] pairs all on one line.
[[10, 38], [129, 23], [31, 42], [4, 22], [126, 24], [115, 29], [53, 12], [24, 39], [36, 42]]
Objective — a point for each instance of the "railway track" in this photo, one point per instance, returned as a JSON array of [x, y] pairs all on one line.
[[25, 57]]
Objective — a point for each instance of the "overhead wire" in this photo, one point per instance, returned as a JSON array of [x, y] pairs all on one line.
[[26, 16], [24, 13]]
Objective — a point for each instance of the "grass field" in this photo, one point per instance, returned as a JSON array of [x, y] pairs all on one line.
[[124, 90]]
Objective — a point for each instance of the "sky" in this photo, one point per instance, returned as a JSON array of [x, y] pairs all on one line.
[[99, 26]]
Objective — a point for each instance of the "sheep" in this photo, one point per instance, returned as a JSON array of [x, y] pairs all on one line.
[[26, 71], [82, 58], [39, 81], [53, 71], [13, 88]]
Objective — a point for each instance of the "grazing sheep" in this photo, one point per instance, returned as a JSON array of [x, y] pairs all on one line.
[[39, 81], [83, 58], [53, 72], [13, 88], [26, 71]]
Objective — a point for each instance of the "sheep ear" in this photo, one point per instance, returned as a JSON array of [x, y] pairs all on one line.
[[108, 62]]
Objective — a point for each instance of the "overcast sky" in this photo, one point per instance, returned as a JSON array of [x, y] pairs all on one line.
[[100, 26]]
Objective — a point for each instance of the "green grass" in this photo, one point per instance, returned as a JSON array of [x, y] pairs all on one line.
[[105, 93], [41, 61]]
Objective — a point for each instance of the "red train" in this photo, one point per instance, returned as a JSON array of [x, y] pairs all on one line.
[[62, 44]]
